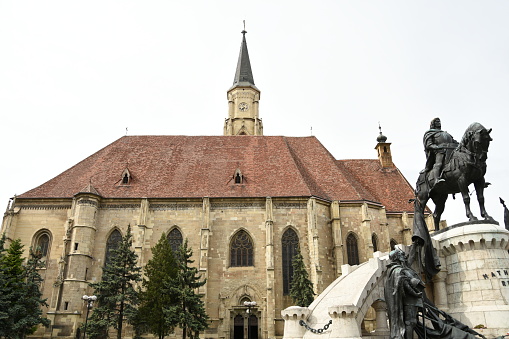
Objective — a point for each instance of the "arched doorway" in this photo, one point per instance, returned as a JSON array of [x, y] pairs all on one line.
[[244, 322]]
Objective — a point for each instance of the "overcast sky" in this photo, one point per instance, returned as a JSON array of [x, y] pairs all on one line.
[[74, 75]]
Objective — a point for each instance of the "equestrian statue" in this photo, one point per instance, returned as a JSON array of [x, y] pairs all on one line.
[[450, 168]]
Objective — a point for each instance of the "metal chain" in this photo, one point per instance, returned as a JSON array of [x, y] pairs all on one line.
[[315, 331]]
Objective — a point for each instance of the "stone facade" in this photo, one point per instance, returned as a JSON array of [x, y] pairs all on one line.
[[79, 228]]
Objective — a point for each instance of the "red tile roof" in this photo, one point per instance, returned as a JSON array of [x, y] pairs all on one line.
[[387, 185], [204, 166]]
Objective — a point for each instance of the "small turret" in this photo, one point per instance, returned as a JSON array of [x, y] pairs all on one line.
[[384, 150]]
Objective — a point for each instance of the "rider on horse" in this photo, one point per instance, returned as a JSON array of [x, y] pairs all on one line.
[[438, 146]]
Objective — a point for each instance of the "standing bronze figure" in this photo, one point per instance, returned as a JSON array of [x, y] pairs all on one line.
[[403, 295], [451, 167]]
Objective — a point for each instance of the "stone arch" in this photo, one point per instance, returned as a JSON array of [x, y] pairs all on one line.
[[365, 283], [236, 311]]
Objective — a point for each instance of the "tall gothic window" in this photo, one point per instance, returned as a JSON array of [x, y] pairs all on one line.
[[374, 241], [114, 240], [241, 250], [290, 246], [352, 250], [175, 239], [42, 244]]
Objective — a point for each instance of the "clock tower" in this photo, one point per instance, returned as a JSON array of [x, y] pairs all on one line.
[[243, 99]]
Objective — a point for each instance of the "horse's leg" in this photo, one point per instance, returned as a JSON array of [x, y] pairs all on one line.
[[479, 190], [463, 186], [439, 201]]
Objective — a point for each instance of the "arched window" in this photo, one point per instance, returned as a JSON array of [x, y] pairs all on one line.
[[41, 244], [351, 250], [393, 244], [241, 250], [290, 246], [175, 239], [374, 241], [113, 242]]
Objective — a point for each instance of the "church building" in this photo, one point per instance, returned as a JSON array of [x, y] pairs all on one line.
[[245, 201]]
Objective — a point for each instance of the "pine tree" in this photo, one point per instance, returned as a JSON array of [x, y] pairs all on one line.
[[32, 297], [4, 302], [188, 309], [301, 288], [159, 270], [12, 266], [21, 295], [117, 297]]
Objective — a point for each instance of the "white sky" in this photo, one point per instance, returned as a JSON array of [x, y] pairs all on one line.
[[74, 75]]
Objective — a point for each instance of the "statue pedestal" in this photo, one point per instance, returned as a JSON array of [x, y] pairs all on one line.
[[475, 257]]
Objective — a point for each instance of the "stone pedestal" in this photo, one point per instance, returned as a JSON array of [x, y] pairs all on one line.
[[292, 316], [476, 259], [344, 322]]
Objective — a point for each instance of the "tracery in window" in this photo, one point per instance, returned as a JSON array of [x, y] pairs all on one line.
[[175, 238], [113, 242], [290, 246], [352, 250], [241, 250], [41, 244]]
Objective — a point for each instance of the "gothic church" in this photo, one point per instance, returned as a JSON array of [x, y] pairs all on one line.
[[244, 201]]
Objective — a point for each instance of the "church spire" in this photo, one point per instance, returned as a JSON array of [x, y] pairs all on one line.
[[243, 98], [243, 73]]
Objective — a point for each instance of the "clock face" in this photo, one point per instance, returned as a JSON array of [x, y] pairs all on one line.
[[243, 106]]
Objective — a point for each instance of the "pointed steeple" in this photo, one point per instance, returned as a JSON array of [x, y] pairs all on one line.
[[243, 73], [243, 98]]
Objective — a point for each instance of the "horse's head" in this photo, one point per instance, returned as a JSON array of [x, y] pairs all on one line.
[[477, 140]]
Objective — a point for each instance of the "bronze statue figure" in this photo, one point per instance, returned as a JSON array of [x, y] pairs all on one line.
[[438, 145], [403, 296], [409, 309], [459, 167]]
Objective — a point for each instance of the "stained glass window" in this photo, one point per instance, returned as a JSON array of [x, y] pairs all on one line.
[[290, 245], [114, 240], [241, 251], [175, 239], [351, 250]]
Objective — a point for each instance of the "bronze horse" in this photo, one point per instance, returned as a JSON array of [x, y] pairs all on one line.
[[466, 165]]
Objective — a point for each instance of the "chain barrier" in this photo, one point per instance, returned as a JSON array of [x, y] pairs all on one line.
[[313, 330]]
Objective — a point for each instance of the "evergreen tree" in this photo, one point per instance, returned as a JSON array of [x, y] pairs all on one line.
[[4, 302], [188, 309], [301, 288], [12, 290], [21, 296], [116, 293], [32, 297], [159, 271]]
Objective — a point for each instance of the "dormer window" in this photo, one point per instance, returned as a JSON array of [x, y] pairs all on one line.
[[238, 177], [126, 177]]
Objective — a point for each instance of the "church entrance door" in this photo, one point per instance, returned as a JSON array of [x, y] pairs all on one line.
[[245, 327]]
